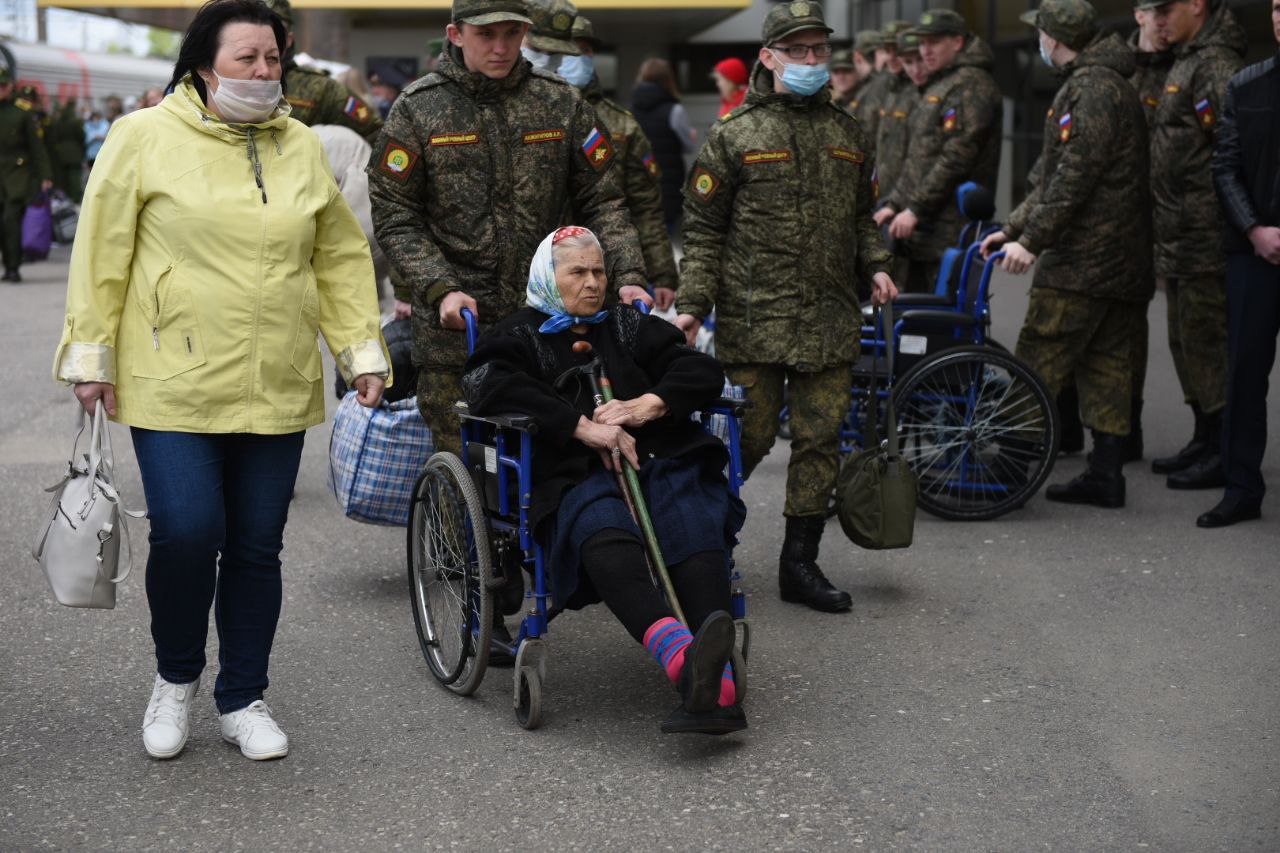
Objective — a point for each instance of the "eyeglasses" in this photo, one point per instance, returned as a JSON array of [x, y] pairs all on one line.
[[799, 52]]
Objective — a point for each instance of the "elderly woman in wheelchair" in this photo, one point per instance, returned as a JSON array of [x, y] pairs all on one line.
[[546, 363]]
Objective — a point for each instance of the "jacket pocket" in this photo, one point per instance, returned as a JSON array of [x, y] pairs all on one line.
[[173, 343], [306, 352]]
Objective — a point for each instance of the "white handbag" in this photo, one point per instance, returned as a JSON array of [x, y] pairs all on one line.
[[78, 543]]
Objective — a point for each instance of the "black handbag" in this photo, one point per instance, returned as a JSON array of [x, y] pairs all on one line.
[[876, 488]]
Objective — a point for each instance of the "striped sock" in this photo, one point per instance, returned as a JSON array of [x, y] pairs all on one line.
[[667, 641]]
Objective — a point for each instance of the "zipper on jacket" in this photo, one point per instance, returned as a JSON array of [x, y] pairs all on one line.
[[155, 298]]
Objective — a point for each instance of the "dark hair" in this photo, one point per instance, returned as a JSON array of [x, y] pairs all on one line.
[[654, 70], [200, 43]]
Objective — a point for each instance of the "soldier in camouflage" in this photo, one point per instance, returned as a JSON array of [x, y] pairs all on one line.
[[780, 272], [316, 97], [844, 77], [873, 95], [640, 174], [1086, 226], [864, 66], [477, 162], [1209, 47], [893, 138], [24, 161], [955, 137], [1152, 60]]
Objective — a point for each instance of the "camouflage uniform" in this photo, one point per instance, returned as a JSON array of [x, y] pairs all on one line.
[[1088, 218], [1150, 69], [781, 275], [893, 138], [1188, 220], [869, 100], [640, 185], [24, 163], [955, 137], [467, 178], [842, 60]]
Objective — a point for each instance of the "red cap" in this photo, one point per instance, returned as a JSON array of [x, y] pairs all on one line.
[[733, 70]]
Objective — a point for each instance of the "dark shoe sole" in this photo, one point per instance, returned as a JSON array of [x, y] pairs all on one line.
[[839, 606], [1211, 520], [704, 662], [1101, 503], [1195, 485], [1174, 464], [721, 721]]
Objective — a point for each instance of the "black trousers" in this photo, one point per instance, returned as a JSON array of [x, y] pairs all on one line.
[[1253, 322]]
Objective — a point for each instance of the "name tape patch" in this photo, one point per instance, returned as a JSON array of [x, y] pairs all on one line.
[[752, 158], [536, 136], [455, 139], [846, 154]]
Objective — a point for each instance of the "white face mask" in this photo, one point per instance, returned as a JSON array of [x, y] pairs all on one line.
[[538, 59], [246, 101]]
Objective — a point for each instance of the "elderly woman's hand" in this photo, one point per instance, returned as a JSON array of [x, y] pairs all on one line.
[[631, 413], [613, 442], [88, 394], [370, 387]]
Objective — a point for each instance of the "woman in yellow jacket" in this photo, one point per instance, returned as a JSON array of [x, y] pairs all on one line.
[[213, 245]]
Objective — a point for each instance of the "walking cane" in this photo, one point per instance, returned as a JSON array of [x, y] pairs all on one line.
[[629, 483]]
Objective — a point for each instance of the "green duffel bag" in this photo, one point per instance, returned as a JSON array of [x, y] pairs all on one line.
[[876, 488]]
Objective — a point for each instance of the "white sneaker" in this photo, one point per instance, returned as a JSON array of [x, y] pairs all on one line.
[[253, 730], [165, 724]]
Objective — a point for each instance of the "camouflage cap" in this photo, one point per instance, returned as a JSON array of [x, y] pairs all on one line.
[[1072, 22], [841, 60], [942, 22], [283, 9], [866, 41], [583, 31], [1148, 5], [482, 12], [552, 30], [787, 18], [889, 35], [908, 42]]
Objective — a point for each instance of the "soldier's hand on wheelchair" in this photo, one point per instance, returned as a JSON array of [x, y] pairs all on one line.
[[612, 442], [992, 243], [883, 215], [631, 413], [1017, 259], [903, 225], [451, 310], [690, 325], [883, 289]]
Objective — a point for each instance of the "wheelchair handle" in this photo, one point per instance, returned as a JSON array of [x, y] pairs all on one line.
[[470, 319], [641, 306]]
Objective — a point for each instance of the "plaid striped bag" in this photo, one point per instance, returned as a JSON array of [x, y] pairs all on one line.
[[375, 456]]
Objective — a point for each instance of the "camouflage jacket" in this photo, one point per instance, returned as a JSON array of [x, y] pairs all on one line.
[[1149, 72], [869, 99], [640, 185], [894, 134], [1088, 215], [1188, 221], [317, 98], [777, 228], [470, 174], [955, 137]]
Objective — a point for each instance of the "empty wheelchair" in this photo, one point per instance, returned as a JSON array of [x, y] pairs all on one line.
[[470, 520], [976, 424]]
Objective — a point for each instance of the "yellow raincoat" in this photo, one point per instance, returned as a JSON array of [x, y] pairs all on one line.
[[207, 257]]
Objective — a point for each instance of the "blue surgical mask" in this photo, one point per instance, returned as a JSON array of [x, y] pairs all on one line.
[[803, 80], [537, 58], [577, 70], [1044, 54]]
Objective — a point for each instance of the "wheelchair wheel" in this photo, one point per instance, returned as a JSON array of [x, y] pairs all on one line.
[[449, 574], [979, 430], [529, 707]]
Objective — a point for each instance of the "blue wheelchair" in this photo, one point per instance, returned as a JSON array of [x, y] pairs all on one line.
[[469, 526], [976, 424]]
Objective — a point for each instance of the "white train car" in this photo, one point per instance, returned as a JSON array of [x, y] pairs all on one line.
[[59, 74]]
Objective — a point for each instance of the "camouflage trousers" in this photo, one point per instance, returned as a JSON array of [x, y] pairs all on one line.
[[1068, 334], [819, 401], [438, 390], [1198, 339]]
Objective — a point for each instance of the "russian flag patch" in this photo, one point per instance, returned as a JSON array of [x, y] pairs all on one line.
[[356, 109], [597, 149], [650, 165], [949, 119], [1064, 127], [1204, 110]]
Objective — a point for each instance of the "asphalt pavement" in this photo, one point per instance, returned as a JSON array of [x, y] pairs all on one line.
[[1062, 678]]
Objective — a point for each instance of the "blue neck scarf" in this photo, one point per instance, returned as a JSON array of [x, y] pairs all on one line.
[[543, 294]]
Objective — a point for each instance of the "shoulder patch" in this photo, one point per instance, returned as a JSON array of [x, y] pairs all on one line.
[[397, 161], [597, 149], [1204, 111], [1064, 127], [651, 165], [949, 119], [357, 109], [703, 184]]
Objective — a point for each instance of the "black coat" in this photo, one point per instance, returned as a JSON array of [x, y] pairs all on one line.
[[515, 367], [1246, 165], [652, 105]]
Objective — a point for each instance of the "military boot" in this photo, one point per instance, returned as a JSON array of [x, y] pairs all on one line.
[[1102, 483], [1133, 441], [1188, 455], [799, 578], [1072, 440], [1206, 471]]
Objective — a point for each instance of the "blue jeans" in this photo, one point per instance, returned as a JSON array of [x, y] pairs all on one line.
[[210, 495]]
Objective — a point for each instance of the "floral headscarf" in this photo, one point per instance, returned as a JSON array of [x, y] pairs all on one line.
[[542, 292]]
